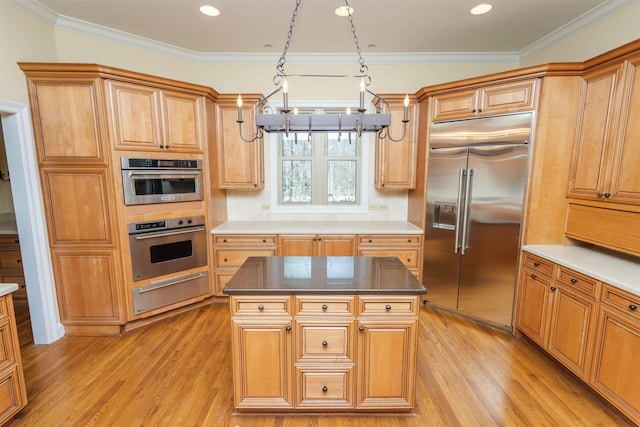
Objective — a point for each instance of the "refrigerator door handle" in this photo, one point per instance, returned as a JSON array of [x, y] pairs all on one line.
[[465, 213], [456, 243]]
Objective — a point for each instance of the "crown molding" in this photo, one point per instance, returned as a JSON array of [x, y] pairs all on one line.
[[67, 23]]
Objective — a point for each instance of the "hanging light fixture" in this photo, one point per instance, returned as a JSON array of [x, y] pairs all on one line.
[[286, 120]]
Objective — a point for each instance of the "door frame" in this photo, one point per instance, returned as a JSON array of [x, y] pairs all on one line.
[[30, 219]]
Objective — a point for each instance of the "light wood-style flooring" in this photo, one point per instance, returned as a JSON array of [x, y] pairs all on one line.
[[177, 372]]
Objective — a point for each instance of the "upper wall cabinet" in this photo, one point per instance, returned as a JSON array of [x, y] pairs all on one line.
[[240, 164], [607, 153], [486, 101], [146, 118], [396, 161]]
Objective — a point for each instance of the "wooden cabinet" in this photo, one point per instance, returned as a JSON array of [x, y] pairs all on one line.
[[261, 343], [557, 309], [342, 353], [489, 100], [11, 264], [615, 364], [316, 245], [146, 118], [395, 164], [387, 338], [240, 164], [230, 251], [408, 249], [13, 392]]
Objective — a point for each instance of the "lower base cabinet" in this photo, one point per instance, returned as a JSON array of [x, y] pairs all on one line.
[[324, 353], [13, 391]]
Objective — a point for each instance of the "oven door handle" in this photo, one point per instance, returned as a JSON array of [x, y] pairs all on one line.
[[169, 233], [161, 285], [170, 173]]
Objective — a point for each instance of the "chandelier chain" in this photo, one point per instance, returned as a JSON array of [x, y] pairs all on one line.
[[283, 57], [363, 67]]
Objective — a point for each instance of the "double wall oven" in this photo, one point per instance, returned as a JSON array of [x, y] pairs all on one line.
[[170, 245]]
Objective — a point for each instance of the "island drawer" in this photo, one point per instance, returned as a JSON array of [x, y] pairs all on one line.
[[388, 305], [324, 387], [621, 300], [324, 341], [323, 305], [580, 282], [537, 264], [260, 305]]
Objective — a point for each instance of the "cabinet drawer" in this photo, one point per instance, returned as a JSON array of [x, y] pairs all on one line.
[[390, 240], [409, 258], [324, 342], [537, 264], [578, 281], [248, 239], [257, 305], [11, 260], [9, 242], [235, 258], [621, 300], [388, 305], [321, 305], [7, 352], [323, 387]]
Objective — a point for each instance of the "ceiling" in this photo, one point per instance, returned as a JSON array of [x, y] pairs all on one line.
[[382, 26]]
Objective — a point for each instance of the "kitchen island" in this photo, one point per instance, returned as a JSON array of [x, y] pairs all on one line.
[[324, 334]]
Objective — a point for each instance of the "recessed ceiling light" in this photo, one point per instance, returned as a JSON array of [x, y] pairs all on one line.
[[481, 9], [343, 11], [209, 10]]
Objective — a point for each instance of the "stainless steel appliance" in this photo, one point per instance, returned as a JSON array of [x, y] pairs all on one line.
[[476, 180], [161, 180], [167, 246]]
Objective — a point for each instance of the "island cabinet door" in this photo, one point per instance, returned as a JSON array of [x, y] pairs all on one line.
[[386, 364], [262, 350]]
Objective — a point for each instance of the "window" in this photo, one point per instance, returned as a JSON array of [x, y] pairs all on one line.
[[321, 172]]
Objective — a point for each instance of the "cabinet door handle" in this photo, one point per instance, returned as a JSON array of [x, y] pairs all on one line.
[[553, 288], [261, 307], [574, 281], [325, 343], [325, 307], [633, 307], [533, 276], [325, 389]]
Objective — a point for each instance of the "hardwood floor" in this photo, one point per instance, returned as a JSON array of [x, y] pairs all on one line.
[[177, 372]]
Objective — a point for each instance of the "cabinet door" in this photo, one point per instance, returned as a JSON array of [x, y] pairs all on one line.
[[596, 126], [396, 161], [135, 121], [571, 330], [533, 306], [456, 105], [262, 350], [183, 121], [296, 245], [625, 180], [386, 363], [336, 245], [240, 164], [507, 98], [616, 369]]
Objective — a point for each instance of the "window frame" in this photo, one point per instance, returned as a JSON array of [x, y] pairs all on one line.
[[362, 191]]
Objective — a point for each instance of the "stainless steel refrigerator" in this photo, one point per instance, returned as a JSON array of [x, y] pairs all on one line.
[[476, 180]]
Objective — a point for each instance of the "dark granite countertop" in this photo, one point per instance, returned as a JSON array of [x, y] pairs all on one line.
[[323, 275]]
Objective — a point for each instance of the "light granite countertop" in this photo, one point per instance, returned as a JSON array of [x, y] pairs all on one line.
[[7, 288], [317, 227], [618, 270]]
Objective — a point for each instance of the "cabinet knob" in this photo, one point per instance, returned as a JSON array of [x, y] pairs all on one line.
[[325, 389], [319, 238], [325, 343], [325, 306], [19, 260], [16, 241], [533, 276], [408, 259], [224, 259], [408, 240], [23, 286], [288, 328], [361, 328], [633, 307], [261, 307], [166, 147], [536, 264], [606, 195], [370, 240], [479, 110], [574, 281], [474, 110], [388, 307], [553, 288], [224, 240], [264, 240]]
